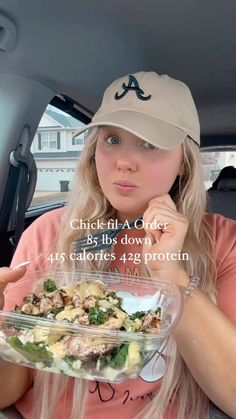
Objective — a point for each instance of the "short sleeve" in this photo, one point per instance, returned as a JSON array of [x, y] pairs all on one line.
[[225, 247], [36, 244]]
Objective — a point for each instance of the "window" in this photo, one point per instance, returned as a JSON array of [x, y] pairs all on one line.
[[78, 140], [49, 140], [214, 161]]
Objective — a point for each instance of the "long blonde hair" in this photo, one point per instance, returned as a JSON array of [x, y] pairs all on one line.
[[88, 202]]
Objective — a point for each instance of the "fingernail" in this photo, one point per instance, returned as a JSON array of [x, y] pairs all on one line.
[[21, 264]]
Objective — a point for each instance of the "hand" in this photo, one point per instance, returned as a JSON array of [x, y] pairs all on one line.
[[8, 275], [167, 241]]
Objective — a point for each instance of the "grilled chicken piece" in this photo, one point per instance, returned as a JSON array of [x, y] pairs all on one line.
[[86, 349], [76, 300], [30, 298], [45, 305], [57, 299], [67, 300], [29, 308], [82, 320], [151, 323], [89, 302]]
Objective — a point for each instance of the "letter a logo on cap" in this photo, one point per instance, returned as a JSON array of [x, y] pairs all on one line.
[[132, 86]]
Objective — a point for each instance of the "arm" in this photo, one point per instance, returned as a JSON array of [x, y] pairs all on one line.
[[14, 379], [205, 336], [38, 239], [13, 389], [206, 339]]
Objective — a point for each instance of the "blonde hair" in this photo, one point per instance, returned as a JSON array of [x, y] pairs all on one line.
[[88, 202]]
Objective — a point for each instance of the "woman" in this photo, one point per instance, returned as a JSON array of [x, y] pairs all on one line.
[[142, 157]]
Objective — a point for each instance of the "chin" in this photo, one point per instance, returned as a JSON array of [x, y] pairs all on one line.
[[128, 205], [128, 211]]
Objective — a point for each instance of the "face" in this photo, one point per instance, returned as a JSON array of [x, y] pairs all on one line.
[[131, 171]]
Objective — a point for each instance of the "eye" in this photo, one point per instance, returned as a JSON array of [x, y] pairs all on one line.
[[111, 139], [149, 146]]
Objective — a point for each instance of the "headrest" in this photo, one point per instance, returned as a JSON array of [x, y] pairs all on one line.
[[227, 184]]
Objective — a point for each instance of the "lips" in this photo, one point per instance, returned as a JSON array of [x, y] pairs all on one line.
[[125, 183]]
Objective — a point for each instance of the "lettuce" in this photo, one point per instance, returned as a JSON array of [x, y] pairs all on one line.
[[31, 351], [49, 285]]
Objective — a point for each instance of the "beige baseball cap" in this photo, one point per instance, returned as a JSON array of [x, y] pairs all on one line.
[[155, 108]]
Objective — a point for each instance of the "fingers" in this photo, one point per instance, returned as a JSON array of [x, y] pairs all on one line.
[[152, 236], [163, 199], [10, 275], [162, 205], [165, 227], [163, 213], [165, 218], [162, 210]]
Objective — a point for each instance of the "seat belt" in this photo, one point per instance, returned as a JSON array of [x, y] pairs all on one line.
[[20, 188], [20, 207], [8, 198]]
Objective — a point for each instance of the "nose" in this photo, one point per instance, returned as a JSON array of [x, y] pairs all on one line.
[[126, 164]]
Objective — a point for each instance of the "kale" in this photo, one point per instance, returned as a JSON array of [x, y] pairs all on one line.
[[56, 310], [158, 311], [119, 358], [49, 285], [113, 295], [97, 316], [137, 315], [103, 360], [130, 325], [116, 358], [31, 351], [110, 311], [69, 359]]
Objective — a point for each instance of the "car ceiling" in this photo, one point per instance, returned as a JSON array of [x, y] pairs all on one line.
[[78, 47]]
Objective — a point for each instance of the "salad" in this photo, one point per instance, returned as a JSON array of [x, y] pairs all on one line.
[[80, 352]]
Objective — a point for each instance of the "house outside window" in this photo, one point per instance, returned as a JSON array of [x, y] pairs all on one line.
[[55, 155]]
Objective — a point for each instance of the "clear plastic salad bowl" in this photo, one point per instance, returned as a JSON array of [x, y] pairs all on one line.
[[92, 325]]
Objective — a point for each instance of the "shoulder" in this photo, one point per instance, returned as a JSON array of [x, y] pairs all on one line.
[[221, 227], [53, 216], [35, 245], [224, 236], [48, 222], [223, 232], [39, 237]]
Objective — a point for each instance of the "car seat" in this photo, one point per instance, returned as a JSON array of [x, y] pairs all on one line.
[[223, 199]]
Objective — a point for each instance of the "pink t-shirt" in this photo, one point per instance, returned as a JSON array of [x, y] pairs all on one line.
[[128, 398]]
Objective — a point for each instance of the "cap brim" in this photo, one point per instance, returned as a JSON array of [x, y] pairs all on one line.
[[146, 127]]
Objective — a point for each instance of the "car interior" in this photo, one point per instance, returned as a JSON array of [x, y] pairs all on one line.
[[61, 55]]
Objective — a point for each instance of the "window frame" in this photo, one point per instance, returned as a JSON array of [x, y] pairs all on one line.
[[40, 140]]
